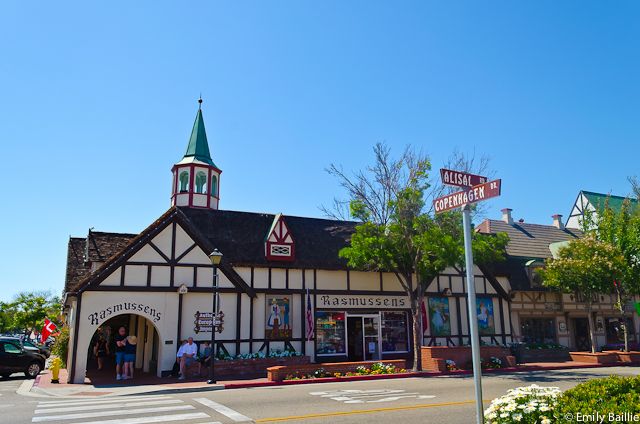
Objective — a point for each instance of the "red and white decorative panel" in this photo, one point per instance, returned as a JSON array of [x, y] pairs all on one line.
[[279, 244]]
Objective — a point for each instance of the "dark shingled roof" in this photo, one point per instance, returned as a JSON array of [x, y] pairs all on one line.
[[97, 247], [240, 237], [529, 240]]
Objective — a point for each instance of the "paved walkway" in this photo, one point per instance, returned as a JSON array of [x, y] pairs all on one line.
[[104, 387]]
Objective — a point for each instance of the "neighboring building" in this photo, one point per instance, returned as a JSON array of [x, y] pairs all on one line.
[[540, 315], [594, 203], [159, 284]]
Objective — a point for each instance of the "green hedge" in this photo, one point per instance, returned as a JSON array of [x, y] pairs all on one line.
[[61, 345], [613, 395]]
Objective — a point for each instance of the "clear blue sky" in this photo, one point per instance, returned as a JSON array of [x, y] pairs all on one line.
[[97, 102]]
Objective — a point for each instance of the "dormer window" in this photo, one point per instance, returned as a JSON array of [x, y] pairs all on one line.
[[279, 244]]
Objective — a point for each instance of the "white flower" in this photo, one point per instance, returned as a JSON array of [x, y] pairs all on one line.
[[517, 417], [545, 420]]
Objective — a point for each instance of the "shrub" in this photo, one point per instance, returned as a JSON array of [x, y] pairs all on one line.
[[612, 395], [526, 405], [61, 346]]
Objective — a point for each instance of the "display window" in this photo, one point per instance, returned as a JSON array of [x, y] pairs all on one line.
[[395, 334], [330, 333]]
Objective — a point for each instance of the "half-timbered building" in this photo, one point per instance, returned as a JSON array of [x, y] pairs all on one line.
[[159, 283]]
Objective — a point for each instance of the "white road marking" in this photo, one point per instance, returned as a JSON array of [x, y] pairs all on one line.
[[111, 413], [234, 415], [156, 419], [368, 396], [99, 400], [108, 405]]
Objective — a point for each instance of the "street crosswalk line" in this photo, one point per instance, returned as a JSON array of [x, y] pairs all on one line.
[[156, 419], [111, 413], [99, 400], [108, 405], [224, 410]]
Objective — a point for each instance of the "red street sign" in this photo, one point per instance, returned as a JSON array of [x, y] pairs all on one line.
[[473, 194], [461, 179]]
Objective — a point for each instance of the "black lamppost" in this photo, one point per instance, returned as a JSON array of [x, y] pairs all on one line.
[[215, 257]]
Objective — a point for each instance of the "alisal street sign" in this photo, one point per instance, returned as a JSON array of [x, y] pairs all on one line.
[[461, 179]]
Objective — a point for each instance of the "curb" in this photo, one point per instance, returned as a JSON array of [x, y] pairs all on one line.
[[27, 387], [418, 374]]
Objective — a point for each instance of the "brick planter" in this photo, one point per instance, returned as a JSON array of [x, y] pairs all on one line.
[[625, 356], [254, 367], [434, 357], [545, 355], [594, 358], [279, 373]]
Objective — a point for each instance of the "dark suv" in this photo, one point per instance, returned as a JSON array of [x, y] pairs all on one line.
[[15, 358]]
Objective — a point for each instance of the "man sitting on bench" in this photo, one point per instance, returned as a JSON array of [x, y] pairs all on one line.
[[187, 356]]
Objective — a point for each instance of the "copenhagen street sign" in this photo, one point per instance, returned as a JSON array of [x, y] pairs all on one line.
[[474, 194], [461, 179]]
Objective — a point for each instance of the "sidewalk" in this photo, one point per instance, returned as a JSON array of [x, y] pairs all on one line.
[[42, 385]]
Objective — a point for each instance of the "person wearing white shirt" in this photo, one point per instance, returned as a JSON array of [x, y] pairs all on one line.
[[187, 356]]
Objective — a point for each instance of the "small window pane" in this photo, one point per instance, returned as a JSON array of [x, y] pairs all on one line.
[[330, 333], [214, 185], [201, 182], [395, 337], [184, 180]]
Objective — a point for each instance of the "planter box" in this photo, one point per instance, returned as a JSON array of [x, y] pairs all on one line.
[[434, 357], [625, 356], [594, 358], [254, 367], [545, 355], [278, 373]]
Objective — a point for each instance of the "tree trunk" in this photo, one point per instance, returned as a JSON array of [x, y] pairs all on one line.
[[417, 335], [592, 328], [624, 321]]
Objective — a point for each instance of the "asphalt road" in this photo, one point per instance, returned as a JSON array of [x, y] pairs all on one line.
[[425, 400]]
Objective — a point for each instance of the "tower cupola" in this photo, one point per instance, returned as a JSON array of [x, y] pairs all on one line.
[[196, 179]]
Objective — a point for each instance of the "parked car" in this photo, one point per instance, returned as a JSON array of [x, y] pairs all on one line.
[[44, 350], [29, 345], [15, 358]]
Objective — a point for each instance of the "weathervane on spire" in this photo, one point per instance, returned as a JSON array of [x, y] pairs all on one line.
[[200, 101]]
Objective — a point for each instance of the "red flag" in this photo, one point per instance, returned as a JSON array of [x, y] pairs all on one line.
[[47, 330], [425, 322]]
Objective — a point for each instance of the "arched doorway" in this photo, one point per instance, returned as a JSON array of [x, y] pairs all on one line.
[[147, 350]]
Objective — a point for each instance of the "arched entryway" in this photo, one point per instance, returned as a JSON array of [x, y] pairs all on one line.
[[147, 347]]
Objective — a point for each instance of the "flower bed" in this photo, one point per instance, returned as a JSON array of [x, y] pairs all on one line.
[[434, 358], [375, 369], [594, 358], [335, 369], [532, 404]]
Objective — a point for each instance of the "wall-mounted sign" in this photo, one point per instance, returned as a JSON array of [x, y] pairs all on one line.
[[203, 321], [361, 301], [124, 307]]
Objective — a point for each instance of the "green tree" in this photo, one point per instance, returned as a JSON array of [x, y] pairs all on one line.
[[621, 229], [398, 233], [585, 267], [31, 308]]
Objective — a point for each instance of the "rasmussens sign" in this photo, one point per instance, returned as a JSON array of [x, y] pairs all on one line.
[[96, 317], [361, 301]]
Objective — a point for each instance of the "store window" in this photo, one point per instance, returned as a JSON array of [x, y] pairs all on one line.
[[330, 333], [395, 336], [538, 330], [615, 331]]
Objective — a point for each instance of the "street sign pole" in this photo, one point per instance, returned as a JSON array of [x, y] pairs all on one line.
[[473, 322]]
